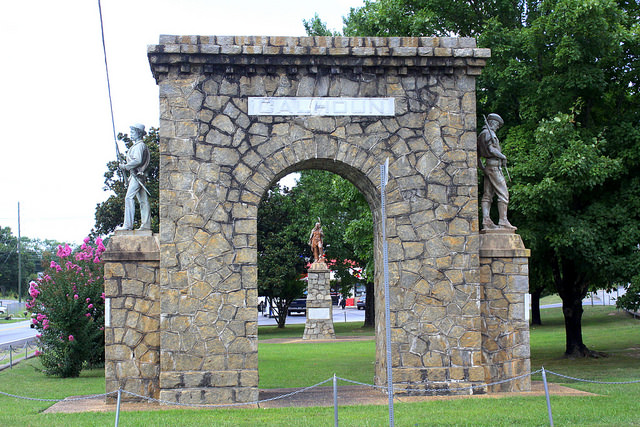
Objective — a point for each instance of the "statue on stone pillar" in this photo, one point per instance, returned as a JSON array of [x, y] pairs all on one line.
[[316, 242], [137, 161], [494, 182]]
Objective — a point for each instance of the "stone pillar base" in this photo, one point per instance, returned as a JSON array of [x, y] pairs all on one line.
[[504, 279], [132, 314], [319, 324]]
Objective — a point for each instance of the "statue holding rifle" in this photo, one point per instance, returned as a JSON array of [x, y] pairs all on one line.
[[137, 162], [494, 182]]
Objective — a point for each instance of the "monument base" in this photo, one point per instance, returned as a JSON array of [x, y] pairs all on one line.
[[132, 314], [504, 279], [319, 324]]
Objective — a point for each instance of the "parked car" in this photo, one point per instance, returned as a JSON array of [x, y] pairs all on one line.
[[361, 302], [297, 306], [3, 310]]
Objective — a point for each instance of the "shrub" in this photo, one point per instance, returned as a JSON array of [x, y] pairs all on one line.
[[68, 302]]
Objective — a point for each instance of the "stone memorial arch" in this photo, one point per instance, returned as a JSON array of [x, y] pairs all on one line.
[[239, 113]]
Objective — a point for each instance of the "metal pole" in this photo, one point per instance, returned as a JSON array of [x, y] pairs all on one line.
[[19, 259], [546, 392], [384, 170], [10, 357], [335, 400], [118, 407]]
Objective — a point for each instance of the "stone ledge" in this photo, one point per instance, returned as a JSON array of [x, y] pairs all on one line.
[[502, 244], [132, 245], [309, 42], [195, 54]]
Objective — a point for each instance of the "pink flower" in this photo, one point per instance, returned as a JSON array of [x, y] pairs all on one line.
[[38, 335], [63, 252], [88, 299], [53, 264], [37, 353], [45, 327], [76, 296], [102, 296], [96, 260], [90, 306], [71, 338], [86, 240], [88, 314]]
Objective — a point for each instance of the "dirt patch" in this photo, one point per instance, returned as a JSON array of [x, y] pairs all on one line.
[[319, 396], [300, 340]]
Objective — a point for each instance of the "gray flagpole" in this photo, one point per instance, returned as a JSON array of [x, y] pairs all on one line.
[[384, 174]]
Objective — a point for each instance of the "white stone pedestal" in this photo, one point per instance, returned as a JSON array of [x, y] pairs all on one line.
[[319, 324]]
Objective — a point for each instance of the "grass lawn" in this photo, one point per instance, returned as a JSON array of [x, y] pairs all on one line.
[[550, 299], [604, 329]]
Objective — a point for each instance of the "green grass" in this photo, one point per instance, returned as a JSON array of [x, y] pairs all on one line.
[[550, 299], [604, 329], [308, 363], [296, 331]]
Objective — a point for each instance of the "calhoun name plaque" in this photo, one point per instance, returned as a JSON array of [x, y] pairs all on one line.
[[321, 106]]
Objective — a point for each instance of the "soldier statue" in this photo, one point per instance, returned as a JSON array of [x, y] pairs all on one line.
[[494, 182], [137, 162]]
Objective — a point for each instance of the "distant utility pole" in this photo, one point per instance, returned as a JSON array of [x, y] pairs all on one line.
[[19, 259]]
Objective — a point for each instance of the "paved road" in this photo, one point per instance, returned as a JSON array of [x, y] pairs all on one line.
[[16, 333], [351, 314]]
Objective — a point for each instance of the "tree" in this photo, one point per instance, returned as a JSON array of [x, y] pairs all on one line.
[[572, 143], [631, 299], [32, 252], [281, 252], [68, 301], [465, 18], [110, 213], [315, 27], [564, 76]]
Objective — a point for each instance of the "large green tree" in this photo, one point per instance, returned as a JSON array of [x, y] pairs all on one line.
[[281, 251], [110, 213], [564, 76]]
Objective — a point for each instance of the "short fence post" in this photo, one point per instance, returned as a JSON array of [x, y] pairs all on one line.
[[118, 407], [26, 349], [335, 400], [10, 357], [546, 392]]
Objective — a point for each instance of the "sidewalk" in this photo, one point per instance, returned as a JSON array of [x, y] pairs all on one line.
[[319, 396]]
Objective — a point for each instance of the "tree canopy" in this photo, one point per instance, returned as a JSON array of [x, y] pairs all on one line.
[[32, 253]]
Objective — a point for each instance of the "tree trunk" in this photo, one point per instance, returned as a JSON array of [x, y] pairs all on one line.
[[535, 307], [572, 287], [572, 310], [369, 307]]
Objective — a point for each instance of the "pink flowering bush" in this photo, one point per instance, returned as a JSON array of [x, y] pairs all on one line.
[[68, 302]]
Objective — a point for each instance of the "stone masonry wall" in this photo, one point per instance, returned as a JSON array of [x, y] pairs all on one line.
[[216, 162], [504, 275], [132, 334]]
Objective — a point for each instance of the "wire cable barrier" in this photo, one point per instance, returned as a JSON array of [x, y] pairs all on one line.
[[119, 392], [11, 350]]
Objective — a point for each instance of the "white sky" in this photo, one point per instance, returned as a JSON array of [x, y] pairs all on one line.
[[54, 107]]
